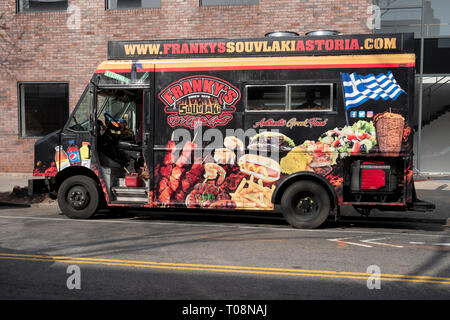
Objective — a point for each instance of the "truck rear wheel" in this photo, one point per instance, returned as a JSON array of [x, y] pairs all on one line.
[[305, 204], [78, 197]]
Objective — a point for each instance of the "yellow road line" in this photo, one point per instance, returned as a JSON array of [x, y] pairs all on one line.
[[222, 268], [217, 266]]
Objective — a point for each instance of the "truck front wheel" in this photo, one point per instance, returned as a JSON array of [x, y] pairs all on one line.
[[305, 204], [78, 197]]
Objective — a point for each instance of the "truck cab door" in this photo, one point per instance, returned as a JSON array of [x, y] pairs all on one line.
[[78, 132]]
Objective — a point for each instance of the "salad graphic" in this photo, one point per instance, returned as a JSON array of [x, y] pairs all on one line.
[[355, 139], [319, 156]]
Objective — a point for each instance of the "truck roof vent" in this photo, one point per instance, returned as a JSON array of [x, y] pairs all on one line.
[[322, 33], [282, 34]]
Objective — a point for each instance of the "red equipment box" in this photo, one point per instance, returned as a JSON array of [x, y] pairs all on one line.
[[132, 181]]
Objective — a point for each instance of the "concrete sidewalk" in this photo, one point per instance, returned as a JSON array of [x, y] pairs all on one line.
[[9, 180], [432, 184]]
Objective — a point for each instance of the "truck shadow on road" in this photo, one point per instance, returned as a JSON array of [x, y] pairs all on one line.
[[383, 221], [350, 218], [388, 223]]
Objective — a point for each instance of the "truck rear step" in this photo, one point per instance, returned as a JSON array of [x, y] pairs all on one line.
[[422, 206]]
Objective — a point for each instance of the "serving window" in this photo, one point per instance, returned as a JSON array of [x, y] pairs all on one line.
[[290, 97], [317, 97], [266, 97]]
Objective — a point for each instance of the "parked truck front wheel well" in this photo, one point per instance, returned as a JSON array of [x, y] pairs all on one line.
[[304, 176], [73, 171]]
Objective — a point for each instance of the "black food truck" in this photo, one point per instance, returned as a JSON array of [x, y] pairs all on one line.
[[297, 125]]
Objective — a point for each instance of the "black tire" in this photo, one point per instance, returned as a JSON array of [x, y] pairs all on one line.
[[305, 204], [78, 197]]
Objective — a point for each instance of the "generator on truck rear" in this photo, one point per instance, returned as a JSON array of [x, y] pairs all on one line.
[[297, 125]]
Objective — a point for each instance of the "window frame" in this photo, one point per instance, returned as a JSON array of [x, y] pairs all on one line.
[[200, 3], [72, 114], [398, 6], [34, 11], [265, 85], [21, 112], [311, 84], [288, 96], [107, 8]]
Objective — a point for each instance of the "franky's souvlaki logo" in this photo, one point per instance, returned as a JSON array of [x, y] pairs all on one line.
[[196, 100]]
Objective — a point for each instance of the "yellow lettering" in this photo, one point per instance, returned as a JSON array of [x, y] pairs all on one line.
[[129, 49], [258, 46], [230, 47], [285, 46], [248, 46], [390, 43], [378, 43], [239, 46], [142, 49], [276, 46], [153, 48], [132, 49]]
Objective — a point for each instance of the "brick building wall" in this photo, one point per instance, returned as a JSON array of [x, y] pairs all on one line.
[[57, 53]]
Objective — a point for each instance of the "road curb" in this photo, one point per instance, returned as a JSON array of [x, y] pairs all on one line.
[[26, 205], [14, 204], [44, 205]]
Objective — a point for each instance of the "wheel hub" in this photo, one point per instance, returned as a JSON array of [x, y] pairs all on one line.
[[78, 198], [307, 205]]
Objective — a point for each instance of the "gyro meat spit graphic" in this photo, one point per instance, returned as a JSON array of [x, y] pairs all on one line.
[[389, 127]]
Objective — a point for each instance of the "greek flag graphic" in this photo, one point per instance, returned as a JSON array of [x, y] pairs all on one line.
[[358, 88]]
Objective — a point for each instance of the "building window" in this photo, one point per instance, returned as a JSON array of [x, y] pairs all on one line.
[[41, 5], [131, 4], [401, 20], [397, 3], [227, 2], [436, 52], [290, 97], [43, 108], [436, 18], [406, 16]]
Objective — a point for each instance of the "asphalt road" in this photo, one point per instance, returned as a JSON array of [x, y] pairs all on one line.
[[177, 255]]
